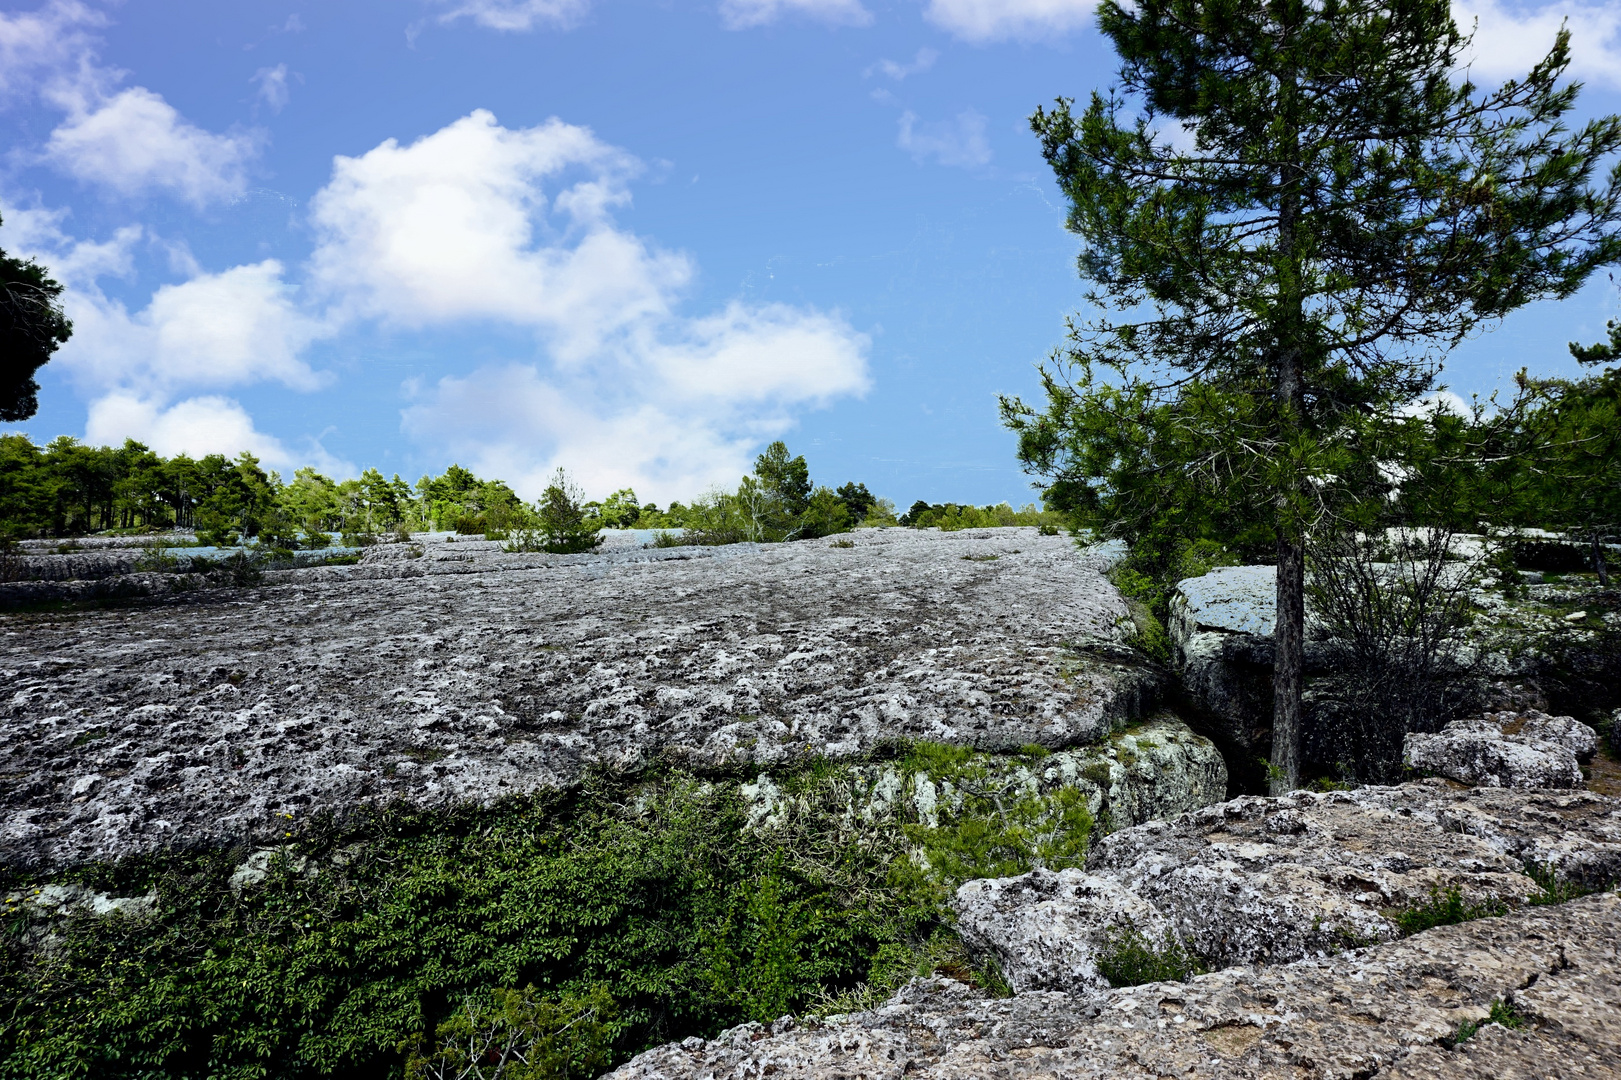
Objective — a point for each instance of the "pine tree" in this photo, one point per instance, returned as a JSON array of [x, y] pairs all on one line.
[[1291, 211]]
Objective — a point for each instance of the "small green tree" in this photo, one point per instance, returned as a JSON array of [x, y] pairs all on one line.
[[785, 479], [561, 519], [1331, 210]]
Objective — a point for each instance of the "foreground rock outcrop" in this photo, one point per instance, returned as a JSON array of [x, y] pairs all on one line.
[[1297, 903], [1394, 1010], [1267, 881], [447, 672]]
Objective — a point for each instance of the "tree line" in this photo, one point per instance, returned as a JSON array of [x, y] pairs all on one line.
[[67, 488]]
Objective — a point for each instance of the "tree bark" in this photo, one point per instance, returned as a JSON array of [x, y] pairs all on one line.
[[1288, 666], [1288, 632], [1599, 563]]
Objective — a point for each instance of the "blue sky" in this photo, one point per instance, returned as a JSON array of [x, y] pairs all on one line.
[[635, 238]]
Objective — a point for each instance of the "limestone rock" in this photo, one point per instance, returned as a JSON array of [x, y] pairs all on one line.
[[1221, 636], [1390, 1010], [1046, 929], [1525, 750], [1259, 880], [470, 674]]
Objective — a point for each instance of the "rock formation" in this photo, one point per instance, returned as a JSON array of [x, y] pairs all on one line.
[[1294, 902], [438, 672]]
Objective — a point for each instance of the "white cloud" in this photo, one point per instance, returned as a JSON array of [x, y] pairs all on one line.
[[514, 423], [37, 234], [1443, 402], [195, 426], [743, 14], [961, 142], [458, 226], [273, 89], [135, 142], [480, 222], [233, 328], [1510, 41], [517, 14], [922, 62], [48, 44], [982, 21]]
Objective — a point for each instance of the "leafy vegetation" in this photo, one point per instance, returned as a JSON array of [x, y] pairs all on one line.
[[1445, 907], [1500, 1013], [32, 327], [1128, 957], [951, 517], [562, 927]]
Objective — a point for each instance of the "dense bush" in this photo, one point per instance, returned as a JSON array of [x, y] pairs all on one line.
[[650, 904]]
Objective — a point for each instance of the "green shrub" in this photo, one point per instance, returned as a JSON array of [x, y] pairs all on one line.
[[656, 895], [1501, 1013], [518, 1035], [1445, 907], [1128, 957]]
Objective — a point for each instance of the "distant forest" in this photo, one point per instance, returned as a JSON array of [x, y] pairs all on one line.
[[67, 488]]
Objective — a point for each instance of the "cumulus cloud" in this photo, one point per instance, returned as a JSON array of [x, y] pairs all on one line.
[[458, 225], [232, 328], [960, 142], [135, 142], [517, 14], [743, 14], [195, 426], [516, 227], [37, 234], [983, 21], [1509, 41]]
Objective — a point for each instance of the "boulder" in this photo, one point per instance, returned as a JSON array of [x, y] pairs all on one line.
[[1221, 638], [1046, 929], [1505, 749], [1399, 1009]]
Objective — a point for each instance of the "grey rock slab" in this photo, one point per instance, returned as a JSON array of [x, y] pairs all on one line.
[[1258, 880], [1526, 750], [211, 718], [1235, 599], [1389, 1010], [1046, 929]]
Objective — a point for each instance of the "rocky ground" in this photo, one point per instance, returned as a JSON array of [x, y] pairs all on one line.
[[437, 672], [1294, 902]]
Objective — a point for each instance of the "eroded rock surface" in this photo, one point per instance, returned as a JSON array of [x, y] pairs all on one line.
[[464, 673], [1506, 749], [1046, 929], [1266, 881], [1392, 1010]]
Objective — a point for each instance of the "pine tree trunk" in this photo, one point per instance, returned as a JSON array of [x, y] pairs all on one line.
[[1289, 627], [1599, 564], [1288, 665]]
